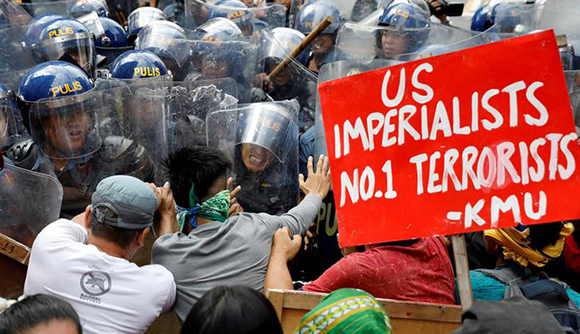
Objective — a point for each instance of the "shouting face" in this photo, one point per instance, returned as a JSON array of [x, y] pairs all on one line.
[[256, 158], [67, 131]]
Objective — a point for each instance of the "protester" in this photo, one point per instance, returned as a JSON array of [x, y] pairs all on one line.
[[40, 314], [212, 249], [414, 270], [346, 311], [88, 258], [236, 309]]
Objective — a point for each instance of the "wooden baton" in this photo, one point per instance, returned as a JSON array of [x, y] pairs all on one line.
[[297, 50]]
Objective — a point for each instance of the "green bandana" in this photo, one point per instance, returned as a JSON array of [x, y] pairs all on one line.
[[215, 208], [346, 311]]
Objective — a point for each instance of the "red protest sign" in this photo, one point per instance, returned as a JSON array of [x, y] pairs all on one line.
[[477, 139]]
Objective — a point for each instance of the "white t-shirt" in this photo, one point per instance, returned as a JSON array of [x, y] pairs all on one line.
[[110, 294]]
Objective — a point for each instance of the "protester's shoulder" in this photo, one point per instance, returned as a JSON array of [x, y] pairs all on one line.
[[485, 287], [157, 273]]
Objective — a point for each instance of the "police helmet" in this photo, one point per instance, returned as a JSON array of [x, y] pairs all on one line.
[[169, 43], [115, 35], [217, 29], [280, 44], [32, 34], [236, 11], [311, 14], [138, 64], [83, 7], [479, 20], [405, 20], [267, 125], [58, 107], [67, 39], [142, 17]]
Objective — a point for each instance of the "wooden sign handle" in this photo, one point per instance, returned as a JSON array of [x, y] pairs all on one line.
[[462, 270], [14, 249]]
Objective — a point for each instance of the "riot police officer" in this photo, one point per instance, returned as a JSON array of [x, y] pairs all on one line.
[[169, 42], [11, 127], [406, 30], [264, 151], [113, 43], [140, 18], [69, 40], [322, 48], [63, 113]]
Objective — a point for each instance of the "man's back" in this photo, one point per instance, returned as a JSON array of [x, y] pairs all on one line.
[[110, 294], [416, 272], [235, 252]]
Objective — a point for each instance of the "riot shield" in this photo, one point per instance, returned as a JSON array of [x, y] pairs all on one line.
[[514, 18], [14, 56], [11, 125], [138, 110], [12, 13], [370, 42], [226, 59], [295, 81], [28, 202], [262, 141], [189, 103], [249, 20], [84, 139], [573, 84], [37, 8], [562, 16]]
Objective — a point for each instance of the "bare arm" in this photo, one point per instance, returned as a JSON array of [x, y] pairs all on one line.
[[283, 250]]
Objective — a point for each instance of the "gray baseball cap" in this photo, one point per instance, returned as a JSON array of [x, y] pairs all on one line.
[[129, 198]]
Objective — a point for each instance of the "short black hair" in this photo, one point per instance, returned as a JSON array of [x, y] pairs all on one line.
[[121, 236], [199, 165], [236, 309], [36, 310]]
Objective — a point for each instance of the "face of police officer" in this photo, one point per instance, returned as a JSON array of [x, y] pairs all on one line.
[[321, 45], [67, 131], [214, 68], [256, 158], [394, 43], [283, 77]]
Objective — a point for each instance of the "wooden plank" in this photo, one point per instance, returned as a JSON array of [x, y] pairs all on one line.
[[276, 297], [462, 271], [406, 317], [14, 249]]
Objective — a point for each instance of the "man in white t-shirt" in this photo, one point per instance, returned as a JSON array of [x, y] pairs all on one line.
[[86, 261]]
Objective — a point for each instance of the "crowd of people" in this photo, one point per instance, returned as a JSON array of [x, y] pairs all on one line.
[[169, 157]]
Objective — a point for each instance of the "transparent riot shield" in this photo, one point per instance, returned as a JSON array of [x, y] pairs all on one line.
[[370, 42], [138, 111], [573, 84], [189, 103], [262, 141], [562, 16], [29, 201], [37, 8], [249, 20], [294, 81], [336, 70], [11, 125], [226, 59], [14, 56], [514, 17], [11, 13], [85, 139]]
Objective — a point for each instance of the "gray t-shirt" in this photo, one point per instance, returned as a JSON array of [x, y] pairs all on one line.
[[235, 252]]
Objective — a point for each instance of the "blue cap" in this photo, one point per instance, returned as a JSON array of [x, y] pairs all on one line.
[[131, 200]]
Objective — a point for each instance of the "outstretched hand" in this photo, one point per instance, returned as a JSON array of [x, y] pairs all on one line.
[[318, 181], [284, 246]]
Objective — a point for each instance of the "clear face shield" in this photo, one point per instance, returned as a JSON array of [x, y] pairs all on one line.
[[69, 127], [78, 46], [11, 127]]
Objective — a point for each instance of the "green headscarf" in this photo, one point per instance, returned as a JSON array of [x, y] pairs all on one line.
[[346, 311], [215, 208]]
